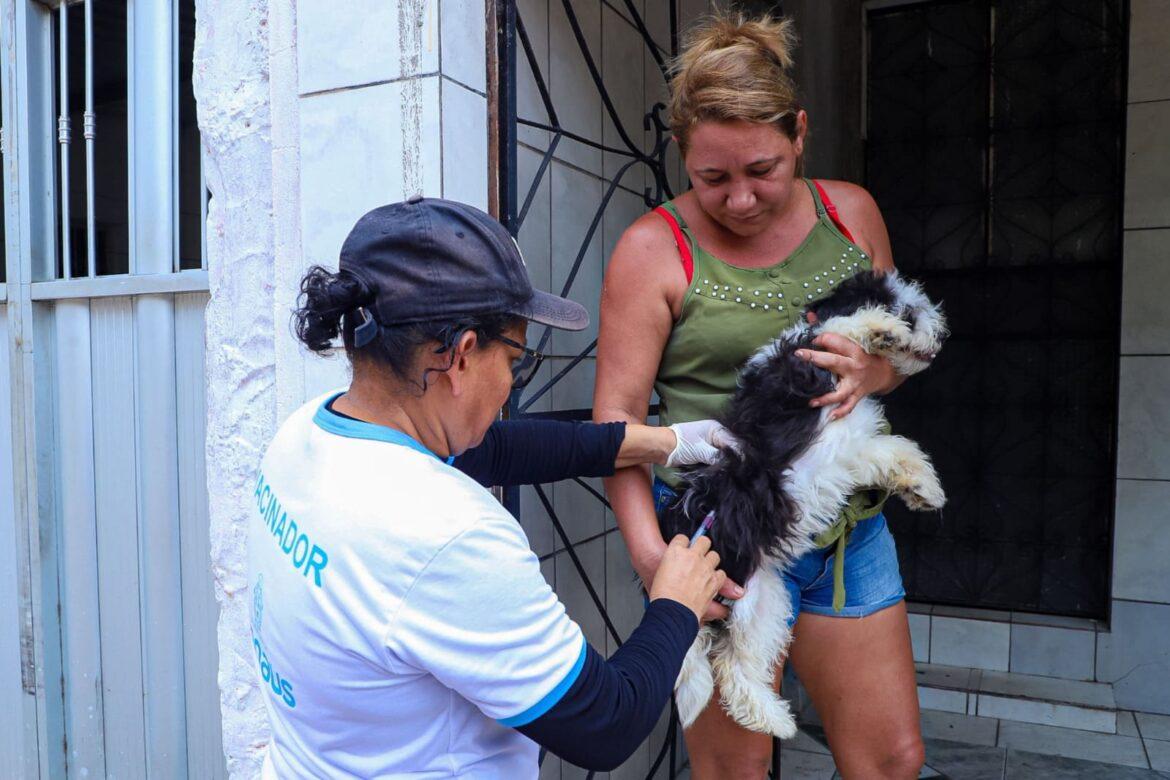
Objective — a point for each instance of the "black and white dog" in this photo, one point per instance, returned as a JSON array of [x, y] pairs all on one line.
[[788, 480]]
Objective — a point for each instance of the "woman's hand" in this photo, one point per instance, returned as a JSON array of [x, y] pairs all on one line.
[[648, 562], [858, 373], [698, 442], [688, 574]]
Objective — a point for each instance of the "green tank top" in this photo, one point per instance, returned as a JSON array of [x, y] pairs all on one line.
[[728, 313]]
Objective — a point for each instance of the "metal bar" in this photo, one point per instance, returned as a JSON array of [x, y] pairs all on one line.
[[544, 163], [593, 492], [63, 136], [596, 74], [122, 284], [548, 385], [579, 138], [651, 44], [89, 130], [530, 55], [31, 252], [506, 126]]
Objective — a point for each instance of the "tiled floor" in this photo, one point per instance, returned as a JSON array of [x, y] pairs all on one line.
[[806, 759]]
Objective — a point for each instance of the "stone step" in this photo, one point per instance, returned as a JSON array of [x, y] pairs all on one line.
[[1026, 698]]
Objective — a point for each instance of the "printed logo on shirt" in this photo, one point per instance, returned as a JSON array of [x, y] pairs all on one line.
[[291, 539], [282, 687]]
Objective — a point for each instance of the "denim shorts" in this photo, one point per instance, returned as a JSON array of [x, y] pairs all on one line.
[[872, 578]]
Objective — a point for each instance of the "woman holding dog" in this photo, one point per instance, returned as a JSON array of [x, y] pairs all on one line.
[[693, 289]]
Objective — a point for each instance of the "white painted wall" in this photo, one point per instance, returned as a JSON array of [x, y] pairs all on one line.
[[310, 117]]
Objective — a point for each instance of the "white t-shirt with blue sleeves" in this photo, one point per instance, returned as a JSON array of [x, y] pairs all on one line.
[[400, 621]]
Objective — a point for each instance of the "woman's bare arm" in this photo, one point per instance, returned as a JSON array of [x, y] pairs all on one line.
[[642, 291]]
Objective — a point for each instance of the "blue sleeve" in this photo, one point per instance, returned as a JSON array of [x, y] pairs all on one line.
[[613, 705], [534, 452]]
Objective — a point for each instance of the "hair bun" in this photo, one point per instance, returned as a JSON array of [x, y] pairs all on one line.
[[734, 67], [774, 37]]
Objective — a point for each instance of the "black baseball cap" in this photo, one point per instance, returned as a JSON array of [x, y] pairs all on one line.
[[435, 259]]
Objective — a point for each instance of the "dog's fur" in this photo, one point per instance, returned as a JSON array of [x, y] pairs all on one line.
[[788, 479]]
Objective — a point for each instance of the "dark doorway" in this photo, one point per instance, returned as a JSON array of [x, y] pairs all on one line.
[[994, 133]]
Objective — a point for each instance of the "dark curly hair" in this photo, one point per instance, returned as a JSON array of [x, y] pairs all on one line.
[[327, 306]]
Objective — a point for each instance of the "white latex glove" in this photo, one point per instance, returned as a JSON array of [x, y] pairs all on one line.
[[698, 442]]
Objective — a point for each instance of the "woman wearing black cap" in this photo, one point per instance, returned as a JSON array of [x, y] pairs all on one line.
[[400, 620]]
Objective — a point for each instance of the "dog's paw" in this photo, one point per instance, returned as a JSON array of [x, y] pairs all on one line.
[[763, 716], [892, 335], [925, 495]]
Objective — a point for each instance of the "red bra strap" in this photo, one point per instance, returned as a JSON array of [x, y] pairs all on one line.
[[832, 210], [684, 246]]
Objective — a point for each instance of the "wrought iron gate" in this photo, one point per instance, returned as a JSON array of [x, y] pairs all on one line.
[[539, 140], [995, 149]]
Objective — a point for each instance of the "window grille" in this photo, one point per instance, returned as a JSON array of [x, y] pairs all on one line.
[[995, 150], [103, 99]]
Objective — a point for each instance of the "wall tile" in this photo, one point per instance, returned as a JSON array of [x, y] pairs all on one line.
[[1159, 753], [1053, 652], [575, 198], [654, 89], [534, 15], [805, 766], [1153, 726], [577, 101], [1047, 713], [955, 677], [1143, 435], [1147, 169], [1091, 694], [1107, 748], [1145, 318], [534, 520], [623, 210], [535, 231], [551, 768], [581, 515], [1141, 544], [1149, 68], [464, 42], [1058, 621], [372, 41], [959, 728], [574, 390], [942, 700], [573, 594], [1038, 766], [359, 150], [621, 63], [1135, 656], [465, 142], [623, 594], [971, 613], [920, 637], [976, 643]]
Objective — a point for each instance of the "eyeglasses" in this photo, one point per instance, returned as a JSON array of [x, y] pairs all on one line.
[[522, 373]]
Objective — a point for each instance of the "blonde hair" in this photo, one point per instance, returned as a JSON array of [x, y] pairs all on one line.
[[734, 67]]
